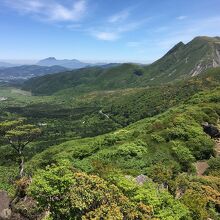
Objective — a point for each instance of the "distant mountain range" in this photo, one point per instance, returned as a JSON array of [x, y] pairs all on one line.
[[70, 64], [13, 72], [27, 71], [6, 65], [52, 61], [181, 62]]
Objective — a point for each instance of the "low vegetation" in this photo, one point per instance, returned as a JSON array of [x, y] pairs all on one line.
[[121, 154]]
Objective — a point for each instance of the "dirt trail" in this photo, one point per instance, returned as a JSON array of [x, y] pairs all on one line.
[[202, 166], [217, 148]]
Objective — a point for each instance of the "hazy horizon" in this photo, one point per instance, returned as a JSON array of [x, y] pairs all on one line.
[[31, 62]]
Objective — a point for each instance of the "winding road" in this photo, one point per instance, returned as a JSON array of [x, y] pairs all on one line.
[[101, 112]]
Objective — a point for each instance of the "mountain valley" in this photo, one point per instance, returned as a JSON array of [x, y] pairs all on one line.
[[121, 141]]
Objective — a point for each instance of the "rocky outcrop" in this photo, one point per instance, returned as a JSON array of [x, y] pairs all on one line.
[[211, 130], [24, 209], [5, 211], [141, 179]]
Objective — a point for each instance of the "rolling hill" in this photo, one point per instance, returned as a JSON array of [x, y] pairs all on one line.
[[6, 65], [181, 62]]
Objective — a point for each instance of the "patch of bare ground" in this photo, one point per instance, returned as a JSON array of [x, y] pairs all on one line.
[[202, 166], [217, 148]]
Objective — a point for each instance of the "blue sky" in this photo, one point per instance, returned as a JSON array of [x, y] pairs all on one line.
[[102, 30]]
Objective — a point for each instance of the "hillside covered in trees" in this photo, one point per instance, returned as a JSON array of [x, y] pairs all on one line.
[[181, 62]]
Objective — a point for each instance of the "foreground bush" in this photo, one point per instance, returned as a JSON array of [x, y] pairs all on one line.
[[73, 195]]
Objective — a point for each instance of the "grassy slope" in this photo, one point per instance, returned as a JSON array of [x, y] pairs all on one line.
[[122, 106], [182, 60], [149, 141], [161, 147], [78, 116], [137, 146]]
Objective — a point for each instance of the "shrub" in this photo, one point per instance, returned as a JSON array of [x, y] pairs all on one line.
[[214, 166], [73, 195], [196, 204], [7, 177], [157, 138], [110, 140], [176, 133], [201, 147], [183, 155], [213, 116], [162, 203], [131, 150]]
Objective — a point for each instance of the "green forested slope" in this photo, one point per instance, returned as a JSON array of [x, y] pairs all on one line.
[[68, 116], [183, 61], [137, 146], [156, 99], [87, 164], [191, 59], [163, 148]]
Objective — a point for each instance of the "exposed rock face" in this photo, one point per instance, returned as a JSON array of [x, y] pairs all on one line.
[[3, 99], [211, 130], [5, 211], [216, 59], [10, 213], [141, 179], [210, 60]]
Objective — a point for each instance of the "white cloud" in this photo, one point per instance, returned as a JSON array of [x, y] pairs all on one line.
[[106, 36], [199, 27], [115, 32], [117, 24], [182, 17], [130, 26], [50, 10], [156, 45], [121, 16]]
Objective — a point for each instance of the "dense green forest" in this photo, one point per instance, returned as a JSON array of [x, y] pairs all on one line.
[[129, 153]]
